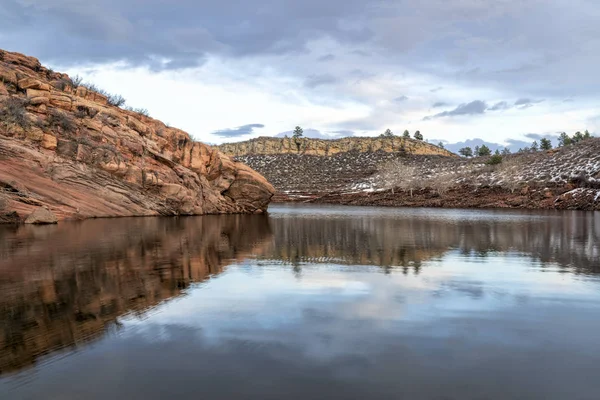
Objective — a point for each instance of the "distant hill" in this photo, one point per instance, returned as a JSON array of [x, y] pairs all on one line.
[[406, 172], [328, 147]]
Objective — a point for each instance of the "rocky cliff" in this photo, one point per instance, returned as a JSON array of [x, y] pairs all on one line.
[[67, 148], [320, 147]]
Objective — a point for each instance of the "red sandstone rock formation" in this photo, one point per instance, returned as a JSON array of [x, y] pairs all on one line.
[[68, 149]]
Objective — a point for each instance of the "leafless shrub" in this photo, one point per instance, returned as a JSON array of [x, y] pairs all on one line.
[[115, 100], [62, 84], [142, 111], [441, 183], [61, 120], [77, 81], [510, 173], [13, 112], [396, 174]]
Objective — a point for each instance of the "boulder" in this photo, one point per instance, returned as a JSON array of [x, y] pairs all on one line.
[[31, 83], [49, 142], [41, 215]]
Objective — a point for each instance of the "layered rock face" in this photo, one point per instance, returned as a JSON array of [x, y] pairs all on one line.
[[319, 147], [68, 149]]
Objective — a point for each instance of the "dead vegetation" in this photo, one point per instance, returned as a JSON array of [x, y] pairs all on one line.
[[13, 111]]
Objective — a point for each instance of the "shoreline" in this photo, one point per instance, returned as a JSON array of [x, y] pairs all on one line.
[[464, 197]]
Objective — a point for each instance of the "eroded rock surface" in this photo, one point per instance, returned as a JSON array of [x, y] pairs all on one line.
[[67, 148]]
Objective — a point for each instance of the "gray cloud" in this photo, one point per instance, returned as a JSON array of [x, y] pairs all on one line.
[[400, 99], [502, 105], [184, 34], [239, 131], [343, 133], [525, 102], [327, 57], [319, 80], [473, 108], [439, 104], [437, 89]]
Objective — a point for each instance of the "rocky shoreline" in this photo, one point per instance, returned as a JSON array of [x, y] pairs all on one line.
[[557, 198]]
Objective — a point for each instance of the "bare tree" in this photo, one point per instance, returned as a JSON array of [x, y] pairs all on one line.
[[397, 174]]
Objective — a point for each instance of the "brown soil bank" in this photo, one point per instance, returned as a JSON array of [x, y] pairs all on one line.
[[560, 198], [71, 150]]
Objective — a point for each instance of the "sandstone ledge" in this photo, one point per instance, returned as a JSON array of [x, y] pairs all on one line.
[[80, 157]]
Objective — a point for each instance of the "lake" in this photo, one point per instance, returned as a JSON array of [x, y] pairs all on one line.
[[308, 302]]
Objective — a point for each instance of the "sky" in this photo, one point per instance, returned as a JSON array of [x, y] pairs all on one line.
[[504, 71]]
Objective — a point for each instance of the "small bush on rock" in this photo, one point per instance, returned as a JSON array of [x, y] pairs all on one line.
[[61, 120], [13, 111]]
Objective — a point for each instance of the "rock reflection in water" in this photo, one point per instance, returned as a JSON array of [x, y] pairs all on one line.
[[65, 285], [408, 237]]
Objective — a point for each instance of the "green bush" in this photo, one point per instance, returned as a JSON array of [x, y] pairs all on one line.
[[495, 159]]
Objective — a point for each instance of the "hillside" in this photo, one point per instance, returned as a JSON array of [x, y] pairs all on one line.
[[322, 147], [567, 177], [71, 150]]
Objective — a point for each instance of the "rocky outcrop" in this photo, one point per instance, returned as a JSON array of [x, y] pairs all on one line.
[[67, 148], [41, 216], [321, 147]]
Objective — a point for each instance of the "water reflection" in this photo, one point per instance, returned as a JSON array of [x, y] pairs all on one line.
[[66, 285], [308, 302], [408, 237]]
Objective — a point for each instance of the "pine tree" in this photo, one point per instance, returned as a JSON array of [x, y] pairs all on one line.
[[484, 151], [534, 146], [388, 133], [298, 133], [418, 135], [406, 134], [564, 140], [545, 144], [466, 152]]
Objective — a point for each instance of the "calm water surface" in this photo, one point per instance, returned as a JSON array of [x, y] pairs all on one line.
[[306, 303]]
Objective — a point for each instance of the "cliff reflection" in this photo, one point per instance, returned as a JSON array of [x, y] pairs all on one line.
[[65, 285], [61, 286], [407, 238]]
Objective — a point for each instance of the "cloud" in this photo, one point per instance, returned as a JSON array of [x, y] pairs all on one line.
[[313, 134], [502, 105], [439, 104], [343, 133], [525, 102], [400, 99], [327, 57], [239, 131], [435, 90], [165, 36], [314, 81], [473, 108]]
